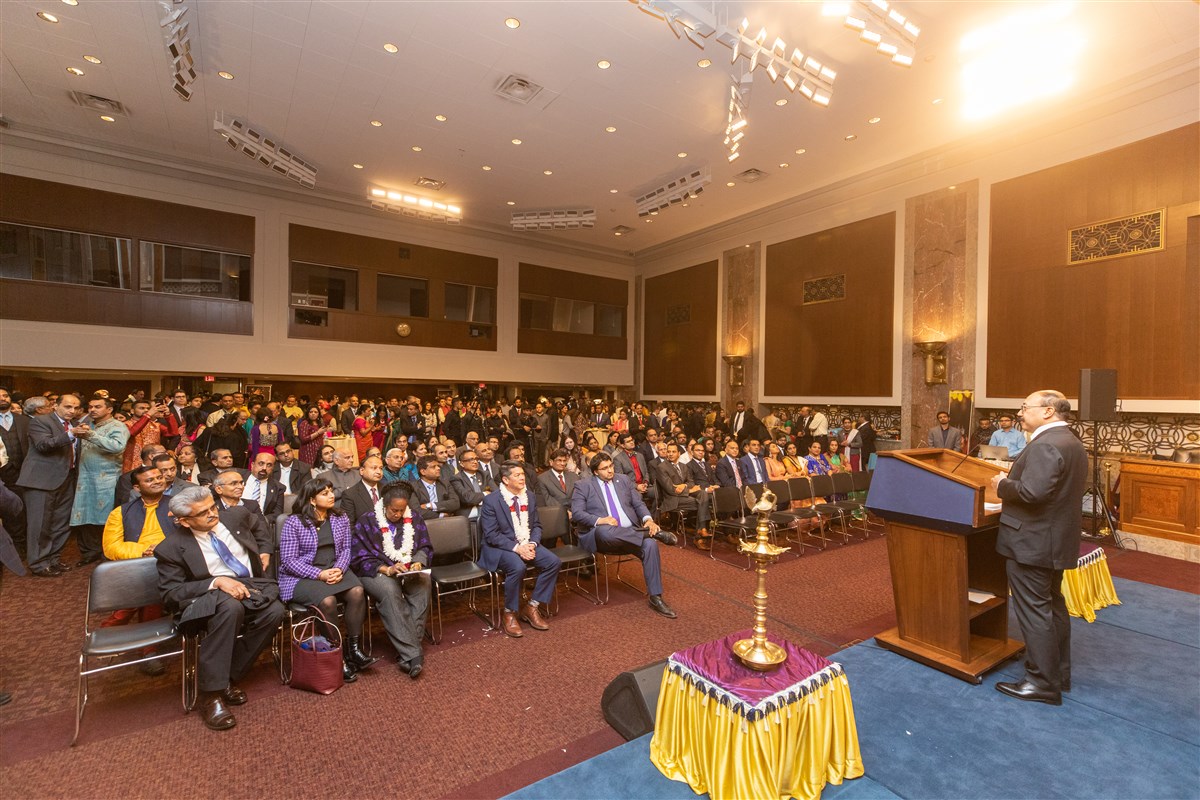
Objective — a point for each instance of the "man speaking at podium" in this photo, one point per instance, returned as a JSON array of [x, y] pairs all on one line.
[[1039, 535]]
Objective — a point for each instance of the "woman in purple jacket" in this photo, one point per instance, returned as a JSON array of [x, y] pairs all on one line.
[[314, 560]]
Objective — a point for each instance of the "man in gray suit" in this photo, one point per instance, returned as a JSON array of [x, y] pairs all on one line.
[[1039, 535], [630, 463], [48, 477], [554, 486], [944, 435]]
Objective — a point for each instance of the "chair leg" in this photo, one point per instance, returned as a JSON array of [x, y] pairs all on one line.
[[81, 696], [191, 672], [435, 630]]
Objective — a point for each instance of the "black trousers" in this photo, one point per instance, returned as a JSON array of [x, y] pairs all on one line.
[[1045, 624], [225, 657]]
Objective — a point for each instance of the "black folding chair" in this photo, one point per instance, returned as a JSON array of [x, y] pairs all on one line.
[[556, 528], [729, 515], [822, 486], [451, 538], [800, 489], [789, 518], [113, 585]]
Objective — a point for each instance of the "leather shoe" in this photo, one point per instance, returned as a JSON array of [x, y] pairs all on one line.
[[666, 537], [83, 562], [533, 615], [656, 603], [511, 626], [217, 715], [416, 668], [45, 572], [233, 695], [704, 543], [348, 673], [1027, 691], [61, 567]]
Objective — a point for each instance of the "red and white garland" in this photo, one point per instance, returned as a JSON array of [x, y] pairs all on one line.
[[402, 555], [520, 520]]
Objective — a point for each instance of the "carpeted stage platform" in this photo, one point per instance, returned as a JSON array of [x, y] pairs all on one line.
[[1130, 728]]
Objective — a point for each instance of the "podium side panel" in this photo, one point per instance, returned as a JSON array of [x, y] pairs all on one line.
[[929, 584], [902, 488]]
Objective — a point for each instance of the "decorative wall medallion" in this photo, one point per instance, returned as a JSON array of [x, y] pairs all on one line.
[[403, 329], [825, 290], [1140, 233], [680, 314]]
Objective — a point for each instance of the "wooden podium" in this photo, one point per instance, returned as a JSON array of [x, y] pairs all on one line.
[[942, 553]]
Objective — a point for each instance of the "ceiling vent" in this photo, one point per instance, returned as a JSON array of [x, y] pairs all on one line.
[[751, 175], [518, 89], [97, 103], [430, 183], [624, 230]]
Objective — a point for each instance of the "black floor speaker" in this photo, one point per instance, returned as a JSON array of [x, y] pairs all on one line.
[[631, 700], [1098, 395]]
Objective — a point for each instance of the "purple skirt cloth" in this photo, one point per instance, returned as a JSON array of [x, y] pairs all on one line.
[[713, 667], [1089, 553]]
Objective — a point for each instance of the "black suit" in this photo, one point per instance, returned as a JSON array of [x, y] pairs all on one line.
[[184, 579], [447, 499], [48, 476], [301, 472], [256, 525], [551, 493], [356, 501], [1039, 534], [272, 503], [16, 442]]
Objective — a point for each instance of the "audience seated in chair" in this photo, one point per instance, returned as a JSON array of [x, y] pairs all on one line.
[[680, 493]]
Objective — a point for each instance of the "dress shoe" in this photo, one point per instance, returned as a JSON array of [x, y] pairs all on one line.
[[45, 572], [233, 695], [704, 543], [511, 626], [656, 603], [533, 615], [348, 673], [83, 562], [1025, 690], [666, 537], [355, 655], [61, 567], [217, 715], [416, 668], [153, 669]]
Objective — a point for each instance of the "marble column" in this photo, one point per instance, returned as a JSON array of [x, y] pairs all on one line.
[[940, 287], [740, 323]]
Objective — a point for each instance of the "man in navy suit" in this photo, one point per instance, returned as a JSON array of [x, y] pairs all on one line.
[[512, 537], [753, 465], [617, 521], [728, 470], [1039, 535]]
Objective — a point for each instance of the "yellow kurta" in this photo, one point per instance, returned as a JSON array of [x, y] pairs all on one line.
[[115, 546]]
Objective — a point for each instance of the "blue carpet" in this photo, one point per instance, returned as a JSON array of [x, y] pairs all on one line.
[[1129, 729]]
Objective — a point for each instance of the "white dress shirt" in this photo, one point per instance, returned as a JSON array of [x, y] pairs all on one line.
[[216, 567]]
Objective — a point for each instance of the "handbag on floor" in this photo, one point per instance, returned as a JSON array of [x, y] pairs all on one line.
[[316, 661]]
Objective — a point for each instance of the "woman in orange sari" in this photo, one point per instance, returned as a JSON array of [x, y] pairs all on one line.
[[776, 470]]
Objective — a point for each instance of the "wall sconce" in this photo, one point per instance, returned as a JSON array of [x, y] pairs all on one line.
[[935, 361], [737, 372]]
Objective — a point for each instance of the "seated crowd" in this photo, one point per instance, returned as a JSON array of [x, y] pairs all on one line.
[[203, 483]]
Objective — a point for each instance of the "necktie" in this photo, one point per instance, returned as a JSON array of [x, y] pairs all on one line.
[[562, 482], [374, 495], [254, 489], [737, 474], [516, 508], [227, 557], [757, 471], [433, 495], [6, 421], [637, 471], [679, 473], [614, 508]]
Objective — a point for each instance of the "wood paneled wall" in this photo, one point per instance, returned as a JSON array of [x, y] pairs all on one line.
[[679, 358], [842, 347], [1139, 314], [29, 201], [371, 257], [550, 282]]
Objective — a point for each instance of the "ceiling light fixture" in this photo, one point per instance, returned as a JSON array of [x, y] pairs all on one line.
[[71, 2], [704, 63], [612, 191], [784, 165], [92, 60], [801, 151], [878, 23], [937, 101], [411, 205], [486, 168], [357, 166], [76, 71], [416, 148], [559, 219], [781, 101], [377, 123], [681, 155], [610, 129], [47, 17], [267, 152], [602, 64], [730, 184], [510, 203], [440, 117], [673, 191], [547, 172], [851, 137], [513, 22], [516, 141], [179, 47], [107, 118], [226, 75], [391, 48], [873, 120]]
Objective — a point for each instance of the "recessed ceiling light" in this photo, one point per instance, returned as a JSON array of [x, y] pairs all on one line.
[[873, 120], [610, 129], [649, 220], [377, 123], [107, 118], [654, 213], [612, 191], [954, 187], [513, 22], [71, 2], [781, 101], [416, 148], [226, 75], [730, 184], [784, 165], [440, 117], [47, 16], [930, 58], [681, 155], [92, 59], [547, 172], [391, 48], [486, 168], [516, 141], [616, 233], [683, 205], [704, 63], [76, 71], [801, 151], [510, 203], [937, 101], [357, 166], [602, 64], [851, 137]]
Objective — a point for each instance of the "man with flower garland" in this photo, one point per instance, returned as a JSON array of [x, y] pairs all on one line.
[[512, 538], [391, 550]]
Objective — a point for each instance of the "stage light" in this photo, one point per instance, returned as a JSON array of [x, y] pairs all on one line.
[[557, 219], [410, 205], [262, 148]]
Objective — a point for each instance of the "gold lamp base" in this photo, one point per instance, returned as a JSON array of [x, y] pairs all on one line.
[[762, 656]]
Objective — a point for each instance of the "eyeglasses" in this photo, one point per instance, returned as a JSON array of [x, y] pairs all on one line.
[[211, 511]]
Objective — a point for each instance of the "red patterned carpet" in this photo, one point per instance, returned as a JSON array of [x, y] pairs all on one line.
[[489, 715]]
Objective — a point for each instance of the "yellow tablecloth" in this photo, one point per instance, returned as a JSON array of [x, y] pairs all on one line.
[[344, 444], [787, 746], [1089, 586]]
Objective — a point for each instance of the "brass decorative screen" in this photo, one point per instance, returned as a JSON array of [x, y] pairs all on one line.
[[1139, 233], [825, 290], [680, 314]]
